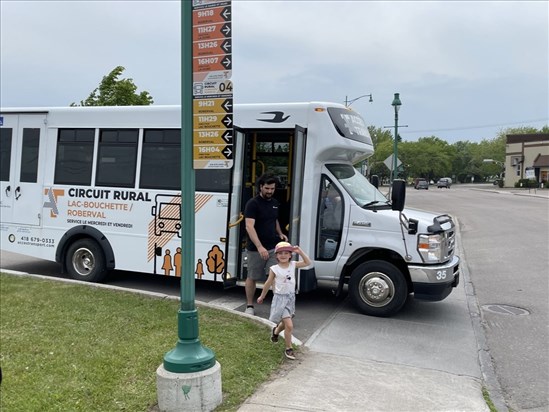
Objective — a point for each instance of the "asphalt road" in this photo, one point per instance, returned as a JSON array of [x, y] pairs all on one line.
[[505, 237]]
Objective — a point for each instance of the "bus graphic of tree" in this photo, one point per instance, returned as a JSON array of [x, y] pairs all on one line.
[[215, 261]]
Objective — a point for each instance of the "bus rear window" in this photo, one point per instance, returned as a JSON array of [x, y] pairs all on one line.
[[350, 125]]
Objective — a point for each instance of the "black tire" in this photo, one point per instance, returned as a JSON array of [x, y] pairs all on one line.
[[85, 260], [378, 288]]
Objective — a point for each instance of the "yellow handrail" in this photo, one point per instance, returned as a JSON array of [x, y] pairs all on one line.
[[240, 219]]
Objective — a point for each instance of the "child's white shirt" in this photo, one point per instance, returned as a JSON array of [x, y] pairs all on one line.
[[284, 278]]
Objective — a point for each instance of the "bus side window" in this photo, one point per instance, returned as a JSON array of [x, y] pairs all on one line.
[[29, 155], [161, 159], [330, 220], [5, 154], [161, 165], [73, 161], [117, 157]]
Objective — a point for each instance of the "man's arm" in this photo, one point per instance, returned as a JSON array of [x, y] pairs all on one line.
[[279, 231], [252, 234]]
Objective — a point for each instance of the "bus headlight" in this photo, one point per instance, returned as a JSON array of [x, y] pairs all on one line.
[[430, 247]]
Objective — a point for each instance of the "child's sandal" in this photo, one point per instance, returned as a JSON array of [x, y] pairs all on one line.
[[274, 336]]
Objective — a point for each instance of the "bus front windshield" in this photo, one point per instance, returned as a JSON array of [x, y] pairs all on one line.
[[359, 188]]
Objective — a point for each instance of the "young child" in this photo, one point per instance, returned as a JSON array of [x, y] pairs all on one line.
[[282, 279]]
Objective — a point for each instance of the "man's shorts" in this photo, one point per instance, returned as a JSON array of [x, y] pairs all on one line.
[[258, 269]]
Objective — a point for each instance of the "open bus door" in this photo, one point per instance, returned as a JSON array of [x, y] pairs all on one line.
[[236, 214], [296, 188], [281, 152]]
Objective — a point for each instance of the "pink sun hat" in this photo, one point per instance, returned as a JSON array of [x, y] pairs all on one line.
[[283, 247]]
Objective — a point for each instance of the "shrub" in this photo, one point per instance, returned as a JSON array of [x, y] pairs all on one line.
[[527, 184]]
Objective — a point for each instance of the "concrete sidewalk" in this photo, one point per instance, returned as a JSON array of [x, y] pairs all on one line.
[[542, 193], [326, 382]]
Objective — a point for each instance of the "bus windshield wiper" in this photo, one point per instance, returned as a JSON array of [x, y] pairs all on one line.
[[373, 202]]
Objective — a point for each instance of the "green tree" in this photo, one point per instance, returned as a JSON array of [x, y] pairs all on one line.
[[429, 157], [432, 157], [113, 91], [462, 159]]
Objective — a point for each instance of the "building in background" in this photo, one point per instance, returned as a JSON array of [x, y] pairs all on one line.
[[526, 156]]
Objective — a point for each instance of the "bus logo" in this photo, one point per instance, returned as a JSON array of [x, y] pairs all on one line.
[[51, 203], [167, 215], [278, 117]]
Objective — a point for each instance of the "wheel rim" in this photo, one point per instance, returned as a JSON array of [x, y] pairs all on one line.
[[83, 261], [376, 289]]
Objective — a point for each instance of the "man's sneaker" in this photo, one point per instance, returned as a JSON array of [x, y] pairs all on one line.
[[250, 310], [274, 336], [290, 353]]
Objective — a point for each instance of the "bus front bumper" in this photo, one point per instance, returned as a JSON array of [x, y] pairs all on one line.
[[434, 282]]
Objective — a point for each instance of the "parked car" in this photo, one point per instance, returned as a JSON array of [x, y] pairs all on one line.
[[417, 180], [422, 184], [444, 182]]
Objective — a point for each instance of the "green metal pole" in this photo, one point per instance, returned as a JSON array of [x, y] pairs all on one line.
[[188, 355], [395, 148], [396, 104]]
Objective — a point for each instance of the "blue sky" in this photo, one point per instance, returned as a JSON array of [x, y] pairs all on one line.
[[464, 70]]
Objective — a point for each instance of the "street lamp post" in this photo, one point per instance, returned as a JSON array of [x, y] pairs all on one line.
[[396, 104], [348, 102]]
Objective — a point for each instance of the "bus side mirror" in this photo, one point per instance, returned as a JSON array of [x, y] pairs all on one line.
[[398, 195], [375, 181]]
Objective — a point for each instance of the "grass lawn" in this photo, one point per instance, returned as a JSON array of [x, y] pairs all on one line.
[[67, 347]]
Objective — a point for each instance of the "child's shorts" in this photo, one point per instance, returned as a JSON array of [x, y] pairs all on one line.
[[282, 306]]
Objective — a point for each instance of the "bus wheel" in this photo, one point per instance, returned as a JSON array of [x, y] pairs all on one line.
[[378, 288], [85, 261]]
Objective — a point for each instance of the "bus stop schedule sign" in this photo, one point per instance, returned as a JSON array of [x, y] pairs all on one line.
[[212, 87]]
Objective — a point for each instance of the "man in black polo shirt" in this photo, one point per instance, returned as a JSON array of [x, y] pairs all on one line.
[[264, 232]]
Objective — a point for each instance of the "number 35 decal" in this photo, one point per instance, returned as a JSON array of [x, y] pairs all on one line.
[[441, 274]]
